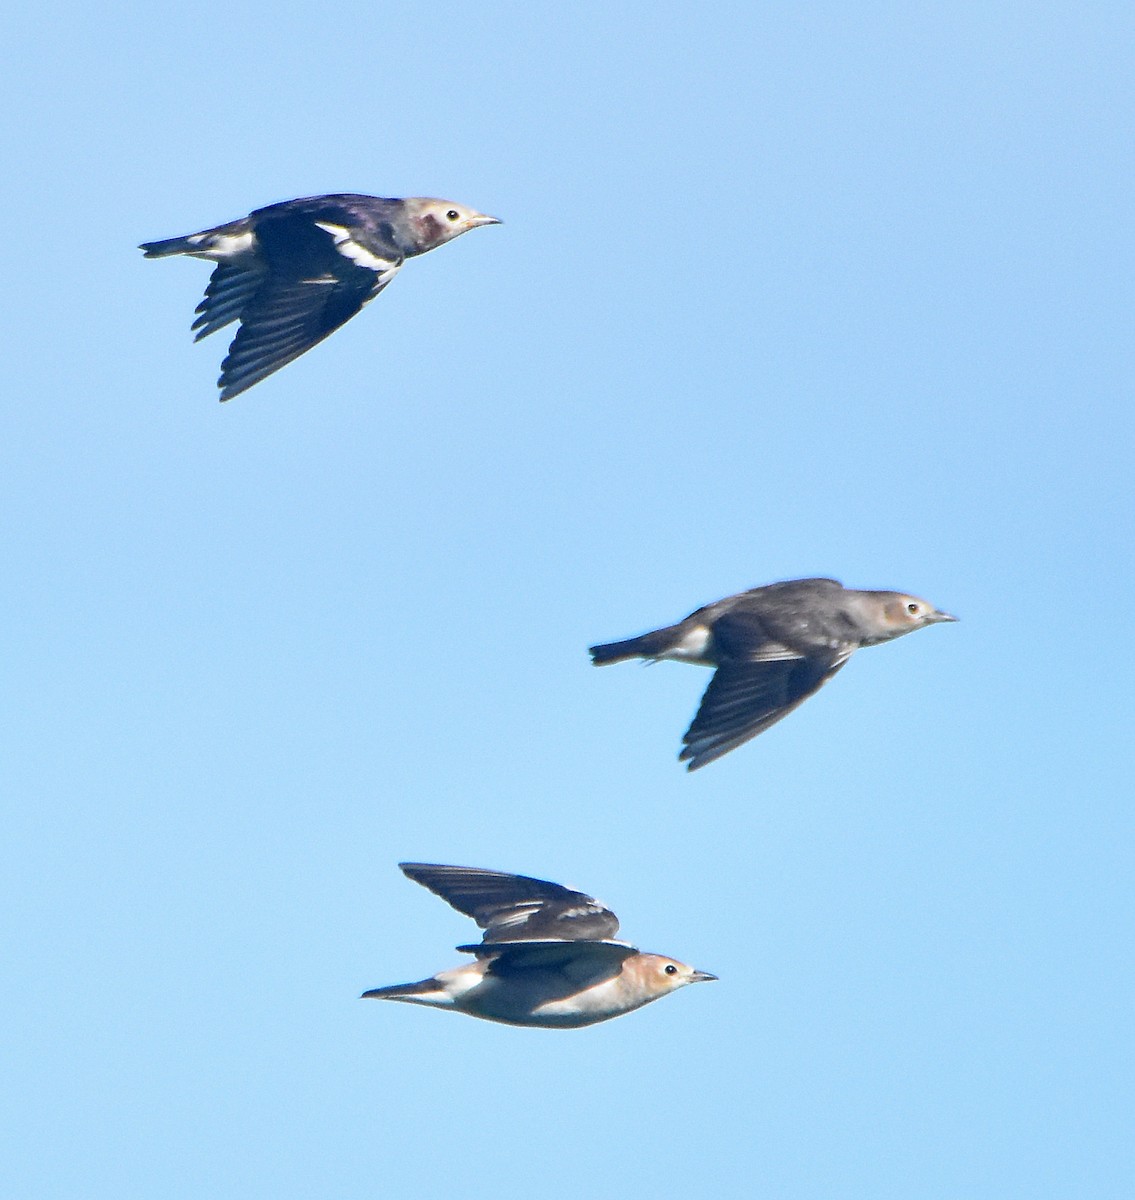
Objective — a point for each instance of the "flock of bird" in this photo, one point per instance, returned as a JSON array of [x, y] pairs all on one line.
[[291, 274]]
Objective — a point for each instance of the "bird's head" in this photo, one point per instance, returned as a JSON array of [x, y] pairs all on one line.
[[436, 221], [659, 975], [902, 614]]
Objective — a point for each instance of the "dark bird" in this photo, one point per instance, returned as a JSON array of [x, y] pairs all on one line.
[[773, 647], [293, 272], [549, 956]]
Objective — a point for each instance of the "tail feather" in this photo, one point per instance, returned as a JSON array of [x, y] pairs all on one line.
[[404, 991], [163, 249], [649, 645], [225, 243]]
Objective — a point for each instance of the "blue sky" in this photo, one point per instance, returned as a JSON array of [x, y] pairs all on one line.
[[781, 291]]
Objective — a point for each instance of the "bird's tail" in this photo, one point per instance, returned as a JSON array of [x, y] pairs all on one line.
[[225, 243], [418, 993], [649, 645], [163, 249]]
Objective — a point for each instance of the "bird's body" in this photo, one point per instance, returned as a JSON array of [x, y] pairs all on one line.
[[566, 991], [294, 272], [772, 648], [548, 958]]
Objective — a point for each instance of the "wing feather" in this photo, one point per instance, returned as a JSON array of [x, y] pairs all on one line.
[[517, 908], [744, 699], [286, 318], [230, 288]]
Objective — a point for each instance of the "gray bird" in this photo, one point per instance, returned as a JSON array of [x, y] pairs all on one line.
[[773, 647], [548, 957], [293, 272]]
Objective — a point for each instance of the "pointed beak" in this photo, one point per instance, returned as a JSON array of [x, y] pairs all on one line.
[[479, 219], [941, 616], [701, 977]]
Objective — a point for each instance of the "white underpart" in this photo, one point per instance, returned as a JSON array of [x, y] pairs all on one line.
[[692, 647], [610, 998], [451, 986], [220, 247], [429, 999], [454, 983], [358, 254]]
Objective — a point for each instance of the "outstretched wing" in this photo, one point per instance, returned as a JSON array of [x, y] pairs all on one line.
[[516, 908], [315, 277], [231, 288], [748, 693]]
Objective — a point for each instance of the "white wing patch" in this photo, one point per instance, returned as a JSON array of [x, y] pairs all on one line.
[[358, 254], [775, 652], [517, 915]]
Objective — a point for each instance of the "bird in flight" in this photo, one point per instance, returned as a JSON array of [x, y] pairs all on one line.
[[293, 272], [549, 957], [772, 648]]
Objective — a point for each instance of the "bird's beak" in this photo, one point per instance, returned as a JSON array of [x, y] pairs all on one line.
[[479, 219], [701, 977], [941, 616]]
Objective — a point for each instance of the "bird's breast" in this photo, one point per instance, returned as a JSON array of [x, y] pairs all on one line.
[[545, 998]]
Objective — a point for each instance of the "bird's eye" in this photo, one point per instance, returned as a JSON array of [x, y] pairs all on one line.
[[670, 969], [912, 609], [452, 215]]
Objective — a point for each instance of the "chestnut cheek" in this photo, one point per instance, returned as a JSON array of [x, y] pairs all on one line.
[[429, 230]]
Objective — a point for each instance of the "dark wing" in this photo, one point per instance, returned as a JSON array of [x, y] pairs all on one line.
[[584, 964], [309, 287], [756, 684], [230, 289], [513, 908], [808, 616], [773, 599], [816, 586], [350, 208], [284, 321]]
